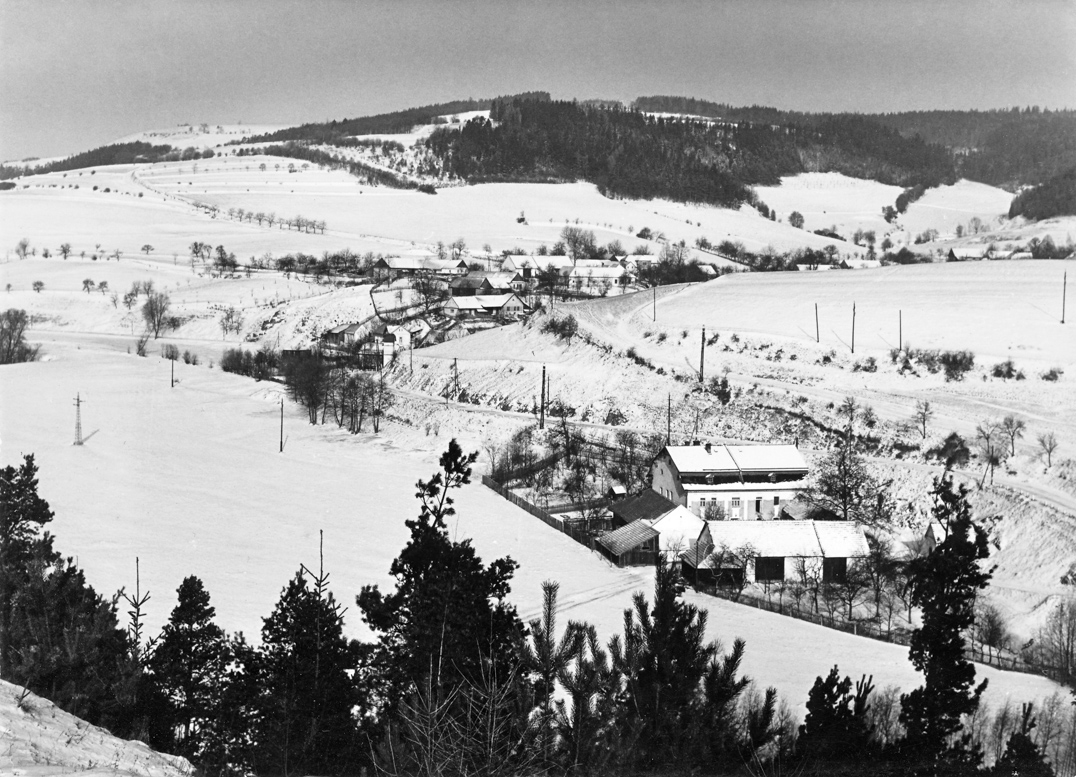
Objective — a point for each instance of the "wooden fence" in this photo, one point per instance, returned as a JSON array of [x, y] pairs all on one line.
[[1009, 663], [573, 531]]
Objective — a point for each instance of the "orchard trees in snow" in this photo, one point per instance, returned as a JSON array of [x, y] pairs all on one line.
[[155, 312]]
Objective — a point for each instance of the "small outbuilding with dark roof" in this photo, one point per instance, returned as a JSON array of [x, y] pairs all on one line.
[[647, 505]]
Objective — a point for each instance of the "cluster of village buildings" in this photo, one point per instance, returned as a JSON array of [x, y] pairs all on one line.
[[502, 293], [730, 514]]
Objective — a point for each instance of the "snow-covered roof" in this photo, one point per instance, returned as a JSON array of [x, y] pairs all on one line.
[[678, 528], [482, 302], [831, 539], [600, 271], [736, 458]]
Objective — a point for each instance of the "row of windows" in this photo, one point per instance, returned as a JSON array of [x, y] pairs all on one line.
[[772, 568], [736, 502]]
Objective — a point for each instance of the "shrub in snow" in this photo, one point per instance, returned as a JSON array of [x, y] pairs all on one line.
[[1053, 374]]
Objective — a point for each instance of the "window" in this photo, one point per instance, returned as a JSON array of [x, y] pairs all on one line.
[[769, 568], [777, 501], [735, 502], [834, 570]]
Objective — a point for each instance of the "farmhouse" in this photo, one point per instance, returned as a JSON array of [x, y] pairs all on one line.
[[392, 267], [484, 306], [737, 482], [735, 552], [479, 283]]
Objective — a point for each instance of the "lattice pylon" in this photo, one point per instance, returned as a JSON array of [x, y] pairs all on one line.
[[78, 419]]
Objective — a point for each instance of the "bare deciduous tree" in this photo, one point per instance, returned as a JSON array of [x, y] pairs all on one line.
[[1014, 428], [923, 413], [155, 312], [1047, 446]]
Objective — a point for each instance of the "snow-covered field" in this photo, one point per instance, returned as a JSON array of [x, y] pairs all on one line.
[[190, 481]]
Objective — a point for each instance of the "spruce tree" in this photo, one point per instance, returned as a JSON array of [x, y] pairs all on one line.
[[303, 715], [944, 585]]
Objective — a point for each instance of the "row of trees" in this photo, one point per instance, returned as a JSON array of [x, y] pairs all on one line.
[[300, 223], [453, 681]]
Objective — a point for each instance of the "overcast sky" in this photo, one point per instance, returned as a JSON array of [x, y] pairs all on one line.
[[80, 73]]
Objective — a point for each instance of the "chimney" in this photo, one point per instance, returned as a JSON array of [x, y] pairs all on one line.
[[708, 448]]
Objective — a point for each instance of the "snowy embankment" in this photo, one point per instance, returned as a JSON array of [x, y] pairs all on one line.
[[190, 481], [38, 739]]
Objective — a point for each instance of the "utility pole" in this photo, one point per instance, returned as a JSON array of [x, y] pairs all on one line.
[[817, 339], [702, 356], [853, 327], [655, 302], [456, 378], [668, 423], [78, 420], [282, 424], [900, 330], [541, 409], [173, 378], [1064, 289]]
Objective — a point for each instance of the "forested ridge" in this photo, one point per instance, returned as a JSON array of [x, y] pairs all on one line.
[[627, 153], [393, 123], [1007, 147], [1055, 197], [114, 154]]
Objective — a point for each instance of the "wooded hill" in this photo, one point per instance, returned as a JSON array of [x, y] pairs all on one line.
[[1055, 197], [628, 153], [1006, 148], [115, 154]]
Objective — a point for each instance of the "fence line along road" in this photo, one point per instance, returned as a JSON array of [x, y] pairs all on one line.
[[856, 628]]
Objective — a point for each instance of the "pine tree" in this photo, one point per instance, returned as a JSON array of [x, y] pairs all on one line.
[[545, 659], [662, 662], [585, 729], [1022, 757], [22, 515], [304, 669], [58, 637], [189, 665], [447, 622], [944, 585], [836, 727]]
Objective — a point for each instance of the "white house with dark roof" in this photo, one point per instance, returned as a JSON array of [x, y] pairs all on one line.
[[745, 482]]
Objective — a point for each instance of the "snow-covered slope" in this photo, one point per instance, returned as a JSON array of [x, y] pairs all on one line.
[[38, 739]]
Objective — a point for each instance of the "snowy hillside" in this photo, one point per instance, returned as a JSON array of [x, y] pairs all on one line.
[[38, 739]]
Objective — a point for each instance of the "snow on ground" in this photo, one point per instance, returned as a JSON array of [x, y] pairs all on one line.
[[190, 481], [37, 739], [945, 207], [200, 135], [831, 199]]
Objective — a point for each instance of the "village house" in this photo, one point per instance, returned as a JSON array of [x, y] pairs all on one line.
[[644, 540], [483, 283], [501, 306], [736, 482], [393, 267], [738, 552]]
